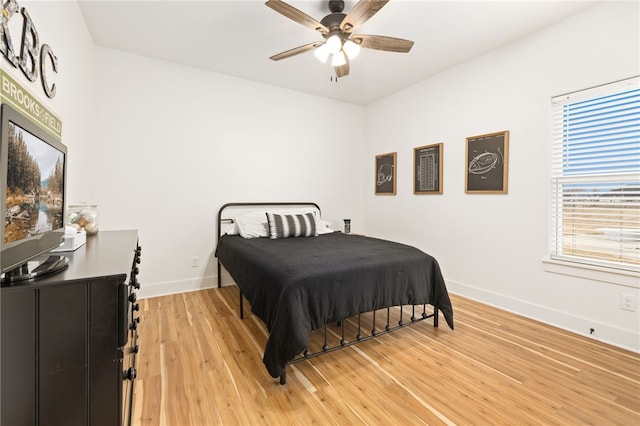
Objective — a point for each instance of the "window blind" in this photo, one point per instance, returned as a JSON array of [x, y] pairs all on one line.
[[595, 176]]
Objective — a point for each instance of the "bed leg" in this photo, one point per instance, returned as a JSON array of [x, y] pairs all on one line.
[[219, 276], [241, 305], [373, 329], [325, 346], [283, 377], [387, 326], [435, 316]]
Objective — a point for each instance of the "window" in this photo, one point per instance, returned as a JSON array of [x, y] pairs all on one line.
[[595, 176]]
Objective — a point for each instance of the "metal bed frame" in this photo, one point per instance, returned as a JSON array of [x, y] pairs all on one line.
[[361, 335]]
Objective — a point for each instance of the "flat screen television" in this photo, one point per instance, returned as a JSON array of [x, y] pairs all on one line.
[[33, 167]]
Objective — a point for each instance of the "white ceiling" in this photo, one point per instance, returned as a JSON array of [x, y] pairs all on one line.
[[237, 38]]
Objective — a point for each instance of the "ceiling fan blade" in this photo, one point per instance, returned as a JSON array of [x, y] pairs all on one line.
[[342, 70], [389, 44], [296, 51], [296, 15], [361, 13]]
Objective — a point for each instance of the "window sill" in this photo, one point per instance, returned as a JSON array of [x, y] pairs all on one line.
[[590, 272]]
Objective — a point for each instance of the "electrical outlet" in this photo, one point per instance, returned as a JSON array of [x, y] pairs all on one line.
[[628, 302], [195, 261]]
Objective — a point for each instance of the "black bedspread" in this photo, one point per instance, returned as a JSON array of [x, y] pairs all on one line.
[[296, 285]]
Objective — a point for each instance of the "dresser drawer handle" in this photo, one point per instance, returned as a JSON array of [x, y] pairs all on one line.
[[130, 374]]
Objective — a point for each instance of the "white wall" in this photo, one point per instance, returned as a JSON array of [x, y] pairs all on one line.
[[173, 144], [491, 247]]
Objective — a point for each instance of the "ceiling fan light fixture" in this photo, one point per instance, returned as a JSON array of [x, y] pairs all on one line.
[[351, 49], [334, 44], [338, 59], [322, 53]]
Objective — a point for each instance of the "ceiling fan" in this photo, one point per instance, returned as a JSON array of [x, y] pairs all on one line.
[[337, 30]]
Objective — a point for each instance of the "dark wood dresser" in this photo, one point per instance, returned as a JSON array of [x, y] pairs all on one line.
[[69, 341]]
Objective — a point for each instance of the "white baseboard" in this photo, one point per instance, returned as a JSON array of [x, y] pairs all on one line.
[[181, 286], [605, 333]]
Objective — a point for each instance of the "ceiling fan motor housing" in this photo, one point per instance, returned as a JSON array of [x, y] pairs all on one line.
[[332, 22], [334, 19]]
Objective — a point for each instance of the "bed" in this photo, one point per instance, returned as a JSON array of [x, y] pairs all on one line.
[[297, 285]]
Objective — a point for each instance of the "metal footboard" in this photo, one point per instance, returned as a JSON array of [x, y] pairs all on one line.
[[361, 334]]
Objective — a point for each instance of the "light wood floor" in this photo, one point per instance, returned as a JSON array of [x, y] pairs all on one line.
[[199, 364]]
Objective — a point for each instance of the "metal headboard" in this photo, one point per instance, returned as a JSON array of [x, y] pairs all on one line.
[[230, 206]]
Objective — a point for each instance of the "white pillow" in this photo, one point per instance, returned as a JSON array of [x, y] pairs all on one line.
[[325, 228], [252, 225], [231, 229]]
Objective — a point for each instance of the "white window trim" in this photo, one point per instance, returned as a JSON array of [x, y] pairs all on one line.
[[591, 272]]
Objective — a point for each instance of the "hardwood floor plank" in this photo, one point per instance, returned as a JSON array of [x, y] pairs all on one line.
[[199, 364]]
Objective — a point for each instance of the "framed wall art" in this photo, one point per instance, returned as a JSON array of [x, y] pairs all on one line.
[[386, 174], [487, 161], [427, 169]]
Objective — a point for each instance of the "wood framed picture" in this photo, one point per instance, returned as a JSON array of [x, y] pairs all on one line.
[[386, 174], [487, 163], [427, 169]]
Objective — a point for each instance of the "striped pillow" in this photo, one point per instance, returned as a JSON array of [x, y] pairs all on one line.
[[285, 226]]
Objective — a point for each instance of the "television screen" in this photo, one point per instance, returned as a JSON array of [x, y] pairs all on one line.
[[35, 186], [32, 197]]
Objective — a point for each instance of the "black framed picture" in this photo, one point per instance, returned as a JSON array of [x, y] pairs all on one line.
[[487, 161], [427, 169], [386, 174]]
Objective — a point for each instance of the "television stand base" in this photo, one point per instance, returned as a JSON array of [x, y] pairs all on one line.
[[37, 267]]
